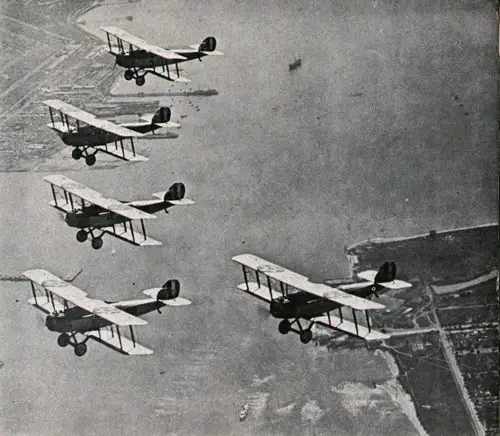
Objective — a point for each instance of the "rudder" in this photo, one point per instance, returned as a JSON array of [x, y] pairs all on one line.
[[208, 44], [162, 115], [175, 192], [386, 273]]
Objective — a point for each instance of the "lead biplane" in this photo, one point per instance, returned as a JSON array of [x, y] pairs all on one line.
[[96, 319], [89, 135], [293, 297], [91, 212], [140, 58]]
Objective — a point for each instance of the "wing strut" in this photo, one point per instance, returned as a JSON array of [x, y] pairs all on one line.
[[355, 321], [119, 336], [34, 292], [143, 229], [246, 278], [368, 321], [257, 277], [132, 334], [340, 315], [51, 116]]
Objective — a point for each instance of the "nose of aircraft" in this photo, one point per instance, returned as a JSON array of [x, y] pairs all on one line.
[[71, 220], [50, 323]]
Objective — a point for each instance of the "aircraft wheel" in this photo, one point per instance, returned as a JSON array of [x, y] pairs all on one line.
[[80, 349], [63, 340], [97, 243], [284, 327], [306, 336], [90, 160], [81, 236], [129, 75], [76, 153], [140, 80]]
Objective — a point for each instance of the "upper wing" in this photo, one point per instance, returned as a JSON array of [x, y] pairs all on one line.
[[302, 283], [90, 119], [79, 298], [97, 198], [369, 275], [140, 43]]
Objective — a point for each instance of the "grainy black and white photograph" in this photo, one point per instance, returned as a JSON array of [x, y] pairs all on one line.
[[262, 218]]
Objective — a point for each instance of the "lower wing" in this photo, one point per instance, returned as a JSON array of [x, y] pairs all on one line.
[[119, 343]]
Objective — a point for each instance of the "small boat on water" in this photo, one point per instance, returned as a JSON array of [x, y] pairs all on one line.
[[244, 411], [295, 64]]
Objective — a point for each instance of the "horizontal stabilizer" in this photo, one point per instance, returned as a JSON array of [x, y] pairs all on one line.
[[370, 275], [350, 328], [118, 343], [174, 302], [184, 201]]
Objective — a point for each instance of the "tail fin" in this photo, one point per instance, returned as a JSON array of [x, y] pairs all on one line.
[[175, 192], [169, 290], [168, 294], [162, 115], [208, 44], [386, 273]]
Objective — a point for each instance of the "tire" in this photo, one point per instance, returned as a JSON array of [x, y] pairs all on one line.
[[129, 75], [140, 80], [306, 336], [284, 327], [81, 236], [76, 153], [97, 243], [80, 349], [63, 340], [90, 160]]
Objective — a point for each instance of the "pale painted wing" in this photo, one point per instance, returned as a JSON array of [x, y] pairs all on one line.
[[140, 43], [121, 344], [79, 298], [97, 198], [90, 119], [302, 283], [349, 327]]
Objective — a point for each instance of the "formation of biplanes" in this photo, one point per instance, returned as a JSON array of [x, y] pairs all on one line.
[[292, 298]]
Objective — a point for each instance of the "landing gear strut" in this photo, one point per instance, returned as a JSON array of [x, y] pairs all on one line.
[[305, 334]]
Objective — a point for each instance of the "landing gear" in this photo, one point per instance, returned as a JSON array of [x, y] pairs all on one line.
[[306, 336], [63, 340], [81, 236], [129, 75], [90, 159], [80, 349], [97, 243], [140, 80], [284, 327], [76, 153]]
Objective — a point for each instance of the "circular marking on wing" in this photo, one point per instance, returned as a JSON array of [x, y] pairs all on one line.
[[53, 283], [106, 310], [70, 186], [269, 268]]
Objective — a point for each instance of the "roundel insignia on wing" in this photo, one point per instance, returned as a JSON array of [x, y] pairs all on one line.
[[270, 268], [53, 283], [106, 310]]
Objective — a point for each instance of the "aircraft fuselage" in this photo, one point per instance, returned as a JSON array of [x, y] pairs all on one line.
[[91, 136], [304, 305], [77, 320], [97, 218], [142, 59]]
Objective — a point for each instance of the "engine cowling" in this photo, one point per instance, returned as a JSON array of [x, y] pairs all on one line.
[[170, 290]]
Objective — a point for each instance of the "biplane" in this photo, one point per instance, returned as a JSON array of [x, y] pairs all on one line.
[[96, 215], [292, 297], [70, 312], [89, 135], [141, 58]]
